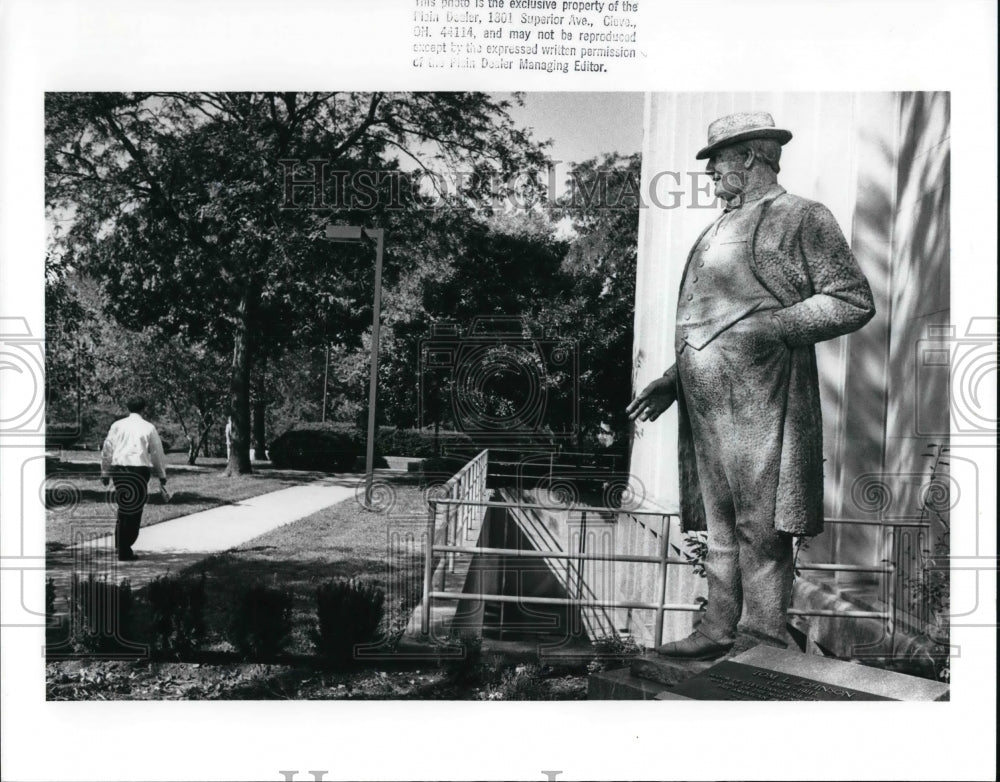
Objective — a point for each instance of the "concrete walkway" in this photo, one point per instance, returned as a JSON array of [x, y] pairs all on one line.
[[218, 529], [173, 545]]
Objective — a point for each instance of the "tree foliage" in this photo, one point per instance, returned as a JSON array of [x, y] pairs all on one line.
[[177, 204], [603, 207], [69, 353]]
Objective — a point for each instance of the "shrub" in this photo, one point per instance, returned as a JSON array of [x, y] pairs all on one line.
[[261, 620], [520, 683], [50, 599], [177, 613], [337, 446], [56, 627], [443, 466], [327, 447], [103, 616], [172, 437], [349, 613], [61, 435], [695, 551], [466, 662], [95, 422], [420, 442], [613, 651]]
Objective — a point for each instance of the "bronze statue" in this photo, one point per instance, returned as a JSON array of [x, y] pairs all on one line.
[[768, 279]]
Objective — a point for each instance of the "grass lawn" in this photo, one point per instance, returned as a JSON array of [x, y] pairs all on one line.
[[487, 681], [343, 541], [75, 499]]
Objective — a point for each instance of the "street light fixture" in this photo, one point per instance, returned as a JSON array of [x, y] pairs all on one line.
[[356, 234]]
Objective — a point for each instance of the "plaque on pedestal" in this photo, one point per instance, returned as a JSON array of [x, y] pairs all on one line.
[[666, 670], [768, 674]]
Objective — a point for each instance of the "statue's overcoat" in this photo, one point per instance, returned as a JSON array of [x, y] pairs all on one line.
[[801, 257]]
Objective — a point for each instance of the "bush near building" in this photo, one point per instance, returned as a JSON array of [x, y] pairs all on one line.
[[261, 621], [349, 614], [329, 447]]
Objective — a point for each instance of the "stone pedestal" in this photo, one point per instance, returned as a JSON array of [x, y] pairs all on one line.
[[762, 673], [765, 673], [665, 670], [621, 685]]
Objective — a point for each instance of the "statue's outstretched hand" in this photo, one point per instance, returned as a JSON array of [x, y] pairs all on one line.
[[653, 400]]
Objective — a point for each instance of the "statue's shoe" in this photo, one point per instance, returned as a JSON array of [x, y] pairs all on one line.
[[695, 647]]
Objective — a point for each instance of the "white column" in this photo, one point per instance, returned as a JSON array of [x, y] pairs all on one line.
[[819, 163]]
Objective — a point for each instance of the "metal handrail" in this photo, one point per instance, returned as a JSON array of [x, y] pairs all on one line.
[[838, 614], [570, 601], [531, 553], [846, 568], [451, 549], [539, 506], [634, 604], [636, 512], [457, 523], [878, 523]]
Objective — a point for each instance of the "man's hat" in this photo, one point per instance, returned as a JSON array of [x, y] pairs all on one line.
[[742, 126]]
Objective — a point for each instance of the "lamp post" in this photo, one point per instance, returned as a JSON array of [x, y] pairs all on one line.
[[356, 234]]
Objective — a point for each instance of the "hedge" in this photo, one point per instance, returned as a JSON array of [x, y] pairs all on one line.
[[349, 614], [340, 447], [420, 442], [261, 620], [329, 447], [61, 435]]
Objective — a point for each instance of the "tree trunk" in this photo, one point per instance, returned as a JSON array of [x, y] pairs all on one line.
[[202, 441], [199, 443], [259, 411], [239, 388], [192, 451], [259, 406]]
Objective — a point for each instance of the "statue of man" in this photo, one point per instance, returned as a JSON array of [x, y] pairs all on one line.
[[768, 279]]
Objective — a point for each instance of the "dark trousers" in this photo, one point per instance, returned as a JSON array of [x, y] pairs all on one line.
[[735, 390], [131, 491]]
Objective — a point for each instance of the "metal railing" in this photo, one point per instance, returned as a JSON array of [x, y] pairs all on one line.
[[460, 496], [433, 549], [464, 501], [895, 570]]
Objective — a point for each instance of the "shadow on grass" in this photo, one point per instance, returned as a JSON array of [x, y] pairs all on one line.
[[291, 476], [293, 683], [233, 570], [55, 467], [181, 498], [101, 559], [59, 499], [56, 499]]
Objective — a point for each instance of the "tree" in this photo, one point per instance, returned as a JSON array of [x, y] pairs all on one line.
[[178, 377], [603, 205], [181, 205], [68, 350], [466, 266]]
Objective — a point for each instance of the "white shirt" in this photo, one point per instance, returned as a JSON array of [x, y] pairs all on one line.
[[133, 442]]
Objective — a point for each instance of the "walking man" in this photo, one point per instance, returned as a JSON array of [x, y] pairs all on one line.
[[132, 451], [768, 279]]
